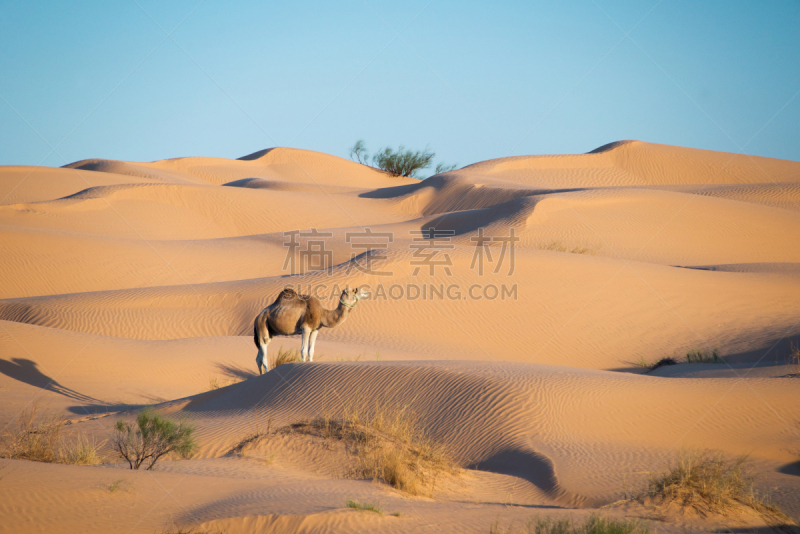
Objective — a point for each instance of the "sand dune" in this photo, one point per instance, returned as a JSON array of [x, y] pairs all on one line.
[[127, 284], [693, 308]]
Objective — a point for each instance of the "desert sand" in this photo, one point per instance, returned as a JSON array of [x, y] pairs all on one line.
[[131, 284]]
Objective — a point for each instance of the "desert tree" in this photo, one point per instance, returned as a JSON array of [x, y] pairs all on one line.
[[400, 162], [152, 437]]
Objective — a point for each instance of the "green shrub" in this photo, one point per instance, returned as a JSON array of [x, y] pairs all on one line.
[[403, 162], [400, 162], [151, 438]]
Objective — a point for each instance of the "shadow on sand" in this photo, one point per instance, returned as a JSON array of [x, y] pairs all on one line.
[[27, 372]]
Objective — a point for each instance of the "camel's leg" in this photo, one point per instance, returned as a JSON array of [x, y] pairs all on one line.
[[304, 344], [312, 341], [262, 360]]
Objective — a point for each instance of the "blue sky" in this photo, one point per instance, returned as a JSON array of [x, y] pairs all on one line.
[[145, 80]]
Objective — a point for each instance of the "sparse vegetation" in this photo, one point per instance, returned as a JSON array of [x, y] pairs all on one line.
[[34, 438], [251, 439], [443, 167], [152, 437], [699, 356], [403, 162], [189, 530], [595, 524], [400, 162], [348, 358], [82, 451], [662, 362], [366, 507], [693, 356], [287, 356], [496, 528], [388, 446], [794, 356], [217, 383], [558, 246], [117, 485], [359, 153], [708, 483], [40, 439]]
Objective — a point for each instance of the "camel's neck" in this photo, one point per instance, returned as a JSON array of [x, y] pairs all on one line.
[[331, 318]]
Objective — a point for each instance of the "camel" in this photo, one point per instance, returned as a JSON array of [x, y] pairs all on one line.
[[292, 314]]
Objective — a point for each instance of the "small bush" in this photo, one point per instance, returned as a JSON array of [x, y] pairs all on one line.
[[367, 507], [595, 524], [151, 438], [707, 482], [699, 356], [403, 162]]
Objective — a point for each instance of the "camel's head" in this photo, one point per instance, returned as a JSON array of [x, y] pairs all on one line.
[[350, 297]]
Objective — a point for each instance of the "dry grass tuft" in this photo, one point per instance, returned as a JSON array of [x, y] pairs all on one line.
[[366, 507], [653, 366], [34, 438], [708, 483], [662, 362], [496, 528], [188, 530], [82, 451], [217, 383], [558, 246], [251, 440], [40, 439], [794, 356], [118, 485], [388, 446], [287, 356], [595, 524], [699, 356]]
